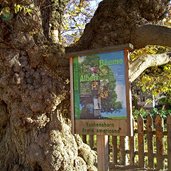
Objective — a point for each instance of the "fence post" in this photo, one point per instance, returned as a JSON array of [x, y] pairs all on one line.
[[159, 141], [91, 141], [102, 153], [114, 149], [150, 141], [141, 141], [132, 146], [169, 141], [122, 149]]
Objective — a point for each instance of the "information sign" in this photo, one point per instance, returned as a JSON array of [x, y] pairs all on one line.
[[100, 87]]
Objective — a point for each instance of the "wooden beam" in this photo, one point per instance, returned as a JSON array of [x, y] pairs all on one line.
[[102, 153]]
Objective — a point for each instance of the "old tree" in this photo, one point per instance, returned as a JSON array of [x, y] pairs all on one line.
[[35, 129]]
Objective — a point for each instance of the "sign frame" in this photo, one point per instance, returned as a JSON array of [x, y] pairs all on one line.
[[122, 127]]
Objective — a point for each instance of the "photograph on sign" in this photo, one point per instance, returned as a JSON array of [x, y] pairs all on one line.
[[99, 86]]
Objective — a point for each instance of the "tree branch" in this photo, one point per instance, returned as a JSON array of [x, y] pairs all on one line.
[[151, 35], [146, 61]]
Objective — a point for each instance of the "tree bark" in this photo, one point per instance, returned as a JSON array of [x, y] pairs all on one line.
[[52, 12], [151, 35], [146, 61], [120, 22], [35, 129]]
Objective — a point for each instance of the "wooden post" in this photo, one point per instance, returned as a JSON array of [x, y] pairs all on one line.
[[169, 141], [159, 141], [91, 141], [102, 153], [131, 145], [122, 150], [150, 141], [141, 141], [114, 149]]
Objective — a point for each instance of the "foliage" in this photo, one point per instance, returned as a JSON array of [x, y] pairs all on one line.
[[7, 12], [77, 14], [165, 101], [167, 19], [19, 8], [153, 112], [156, 80]]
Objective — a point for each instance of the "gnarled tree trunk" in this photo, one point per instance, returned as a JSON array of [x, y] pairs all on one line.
[[35, 129]]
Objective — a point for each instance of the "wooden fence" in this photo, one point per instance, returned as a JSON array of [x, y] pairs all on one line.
[[150, 147]]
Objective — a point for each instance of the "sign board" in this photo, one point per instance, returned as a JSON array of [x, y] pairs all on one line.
[[100, 91]]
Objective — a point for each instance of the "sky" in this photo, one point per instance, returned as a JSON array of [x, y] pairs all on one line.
[[77, 23]]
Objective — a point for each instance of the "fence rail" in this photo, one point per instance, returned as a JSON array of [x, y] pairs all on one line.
[[149, 147]]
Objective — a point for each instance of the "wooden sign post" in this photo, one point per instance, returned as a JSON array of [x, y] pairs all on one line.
[[100, 96], [102, 153]]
